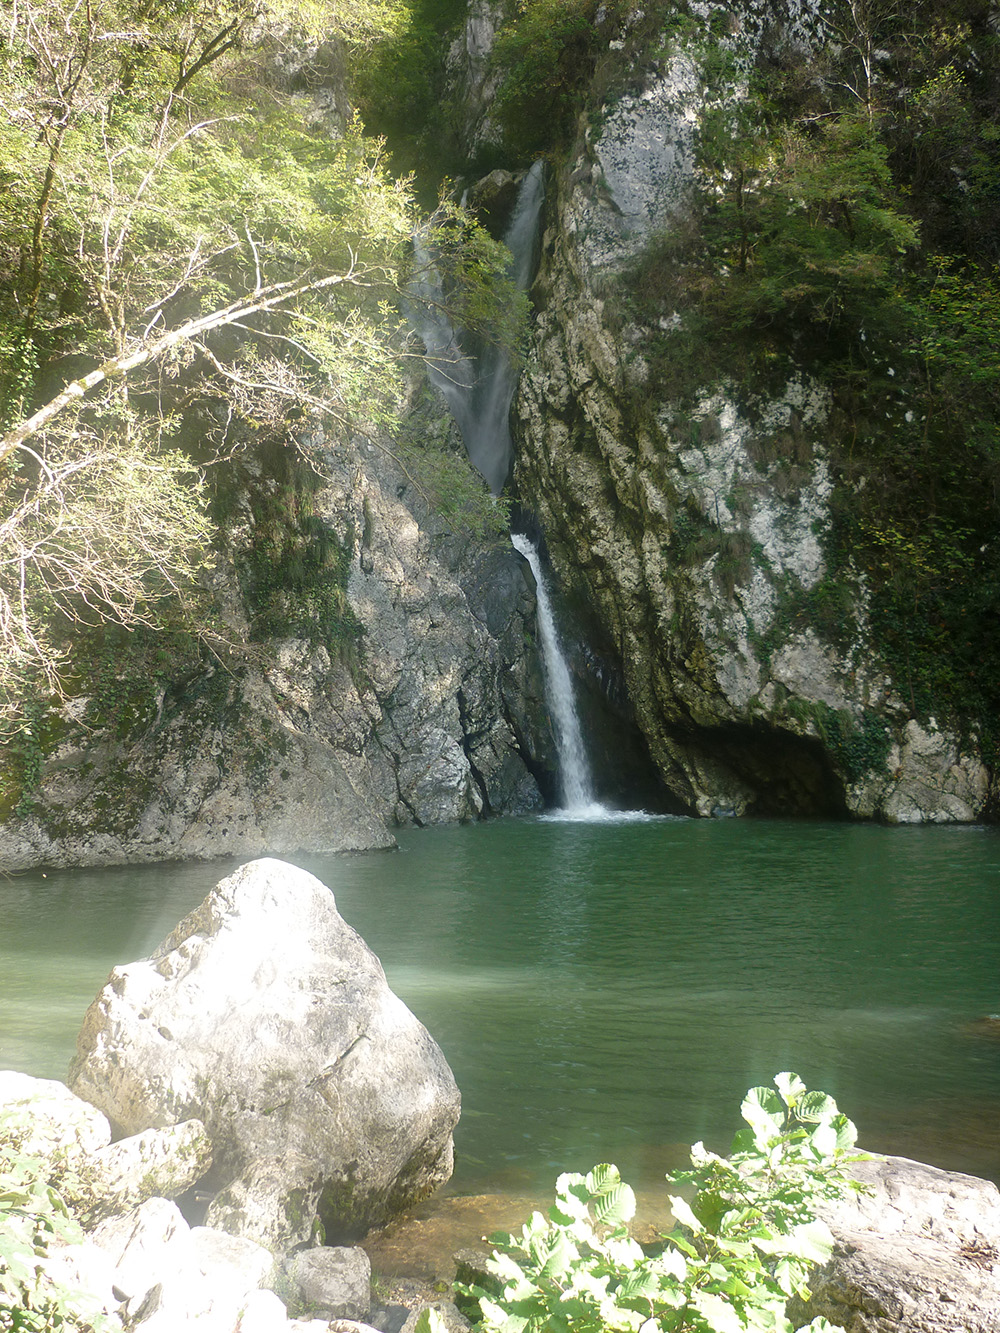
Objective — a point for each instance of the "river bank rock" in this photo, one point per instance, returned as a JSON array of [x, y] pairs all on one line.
[[266, 1016], [332, 1281], [918, 1253], [45, 1120]]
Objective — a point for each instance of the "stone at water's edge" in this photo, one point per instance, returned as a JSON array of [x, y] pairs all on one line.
[[98, 1177], [266, 1016], [918, 1253]]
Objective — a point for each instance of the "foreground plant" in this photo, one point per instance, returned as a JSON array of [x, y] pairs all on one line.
[[744, 1244], [35, 1222]]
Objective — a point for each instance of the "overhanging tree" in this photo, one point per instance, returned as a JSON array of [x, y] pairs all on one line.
[[175, 226]]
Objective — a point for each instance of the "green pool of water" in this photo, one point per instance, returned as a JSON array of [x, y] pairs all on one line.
[[609, 991]]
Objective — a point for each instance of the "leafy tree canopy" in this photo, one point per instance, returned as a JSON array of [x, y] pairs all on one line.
[[183, 228]]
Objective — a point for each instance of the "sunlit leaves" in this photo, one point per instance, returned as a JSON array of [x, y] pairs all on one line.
[[157, 174], [34, 1220], [741, 1247]]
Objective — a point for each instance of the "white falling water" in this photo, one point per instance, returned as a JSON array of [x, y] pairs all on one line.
[[479, 391], [574, 773]]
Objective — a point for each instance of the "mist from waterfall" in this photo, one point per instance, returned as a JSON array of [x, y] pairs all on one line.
[[479, 389]]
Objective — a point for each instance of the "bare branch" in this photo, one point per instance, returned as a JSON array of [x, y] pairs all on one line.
[[275, 297]]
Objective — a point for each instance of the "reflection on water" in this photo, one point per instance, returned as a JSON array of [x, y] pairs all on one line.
[[608, 992]]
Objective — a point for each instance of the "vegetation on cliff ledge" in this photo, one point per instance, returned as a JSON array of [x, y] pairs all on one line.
[[843, 223], [201, 251]]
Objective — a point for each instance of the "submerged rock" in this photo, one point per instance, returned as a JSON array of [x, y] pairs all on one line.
[[266, 1016]]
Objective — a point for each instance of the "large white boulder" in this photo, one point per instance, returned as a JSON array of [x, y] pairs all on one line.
[[268, 1018]]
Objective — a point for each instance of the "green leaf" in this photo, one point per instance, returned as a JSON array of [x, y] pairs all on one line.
[[615, 1207], [681, 1209], [719, 1314], [601, 1178], [811, 1241], [430, 1320], [847, 1134], [815, 1107], [764, 1111], [791, 1088]]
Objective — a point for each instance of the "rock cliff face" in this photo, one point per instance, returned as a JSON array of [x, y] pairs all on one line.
[[418, 709], [691, 539]]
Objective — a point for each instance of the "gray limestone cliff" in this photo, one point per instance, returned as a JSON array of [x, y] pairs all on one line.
[[691, 537], [408, 697]]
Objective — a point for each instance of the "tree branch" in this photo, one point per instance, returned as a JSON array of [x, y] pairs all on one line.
[[269, 298]]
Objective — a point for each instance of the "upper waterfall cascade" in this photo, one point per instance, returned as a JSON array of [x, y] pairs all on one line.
[[479, 389]]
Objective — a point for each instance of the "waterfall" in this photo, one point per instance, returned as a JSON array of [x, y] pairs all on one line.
[[479, 390], [574, 774]]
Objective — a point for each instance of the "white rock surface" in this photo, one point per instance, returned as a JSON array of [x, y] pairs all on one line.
[[266, 1016], [332, 1281], [169, 1276], [158, 1162], [919, 1254], [51, 1122], [54, 1120]]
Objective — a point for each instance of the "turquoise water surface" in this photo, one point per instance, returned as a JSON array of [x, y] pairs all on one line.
[[607, 991]]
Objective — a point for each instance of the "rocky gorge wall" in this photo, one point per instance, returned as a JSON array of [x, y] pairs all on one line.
[[692, 538], [417, 708], [720, 654]]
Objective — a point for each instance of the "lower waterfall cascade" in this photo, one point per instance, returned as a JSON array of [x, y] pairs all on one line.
[[576, 785]]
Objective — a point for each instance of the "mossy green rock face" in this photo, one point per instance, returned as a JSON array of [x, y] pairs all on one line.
[[687, 522], [268, 1018]]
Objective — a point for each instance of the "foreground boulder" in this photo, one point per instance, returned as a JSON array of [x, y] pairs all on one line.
[[268, 1018], [918, 1253]]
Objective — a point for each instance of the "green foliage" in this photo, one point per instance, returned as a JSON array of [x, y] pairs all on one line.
[[455, 489], [474, 272], [398, 84], [545, 57], [186, 249], [743, 1246], [844, 224], [34, 1217], [292, 566]]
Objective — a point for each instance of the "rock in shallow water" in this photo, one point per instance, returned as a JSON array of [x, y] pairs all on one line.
[[266, 1016]]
